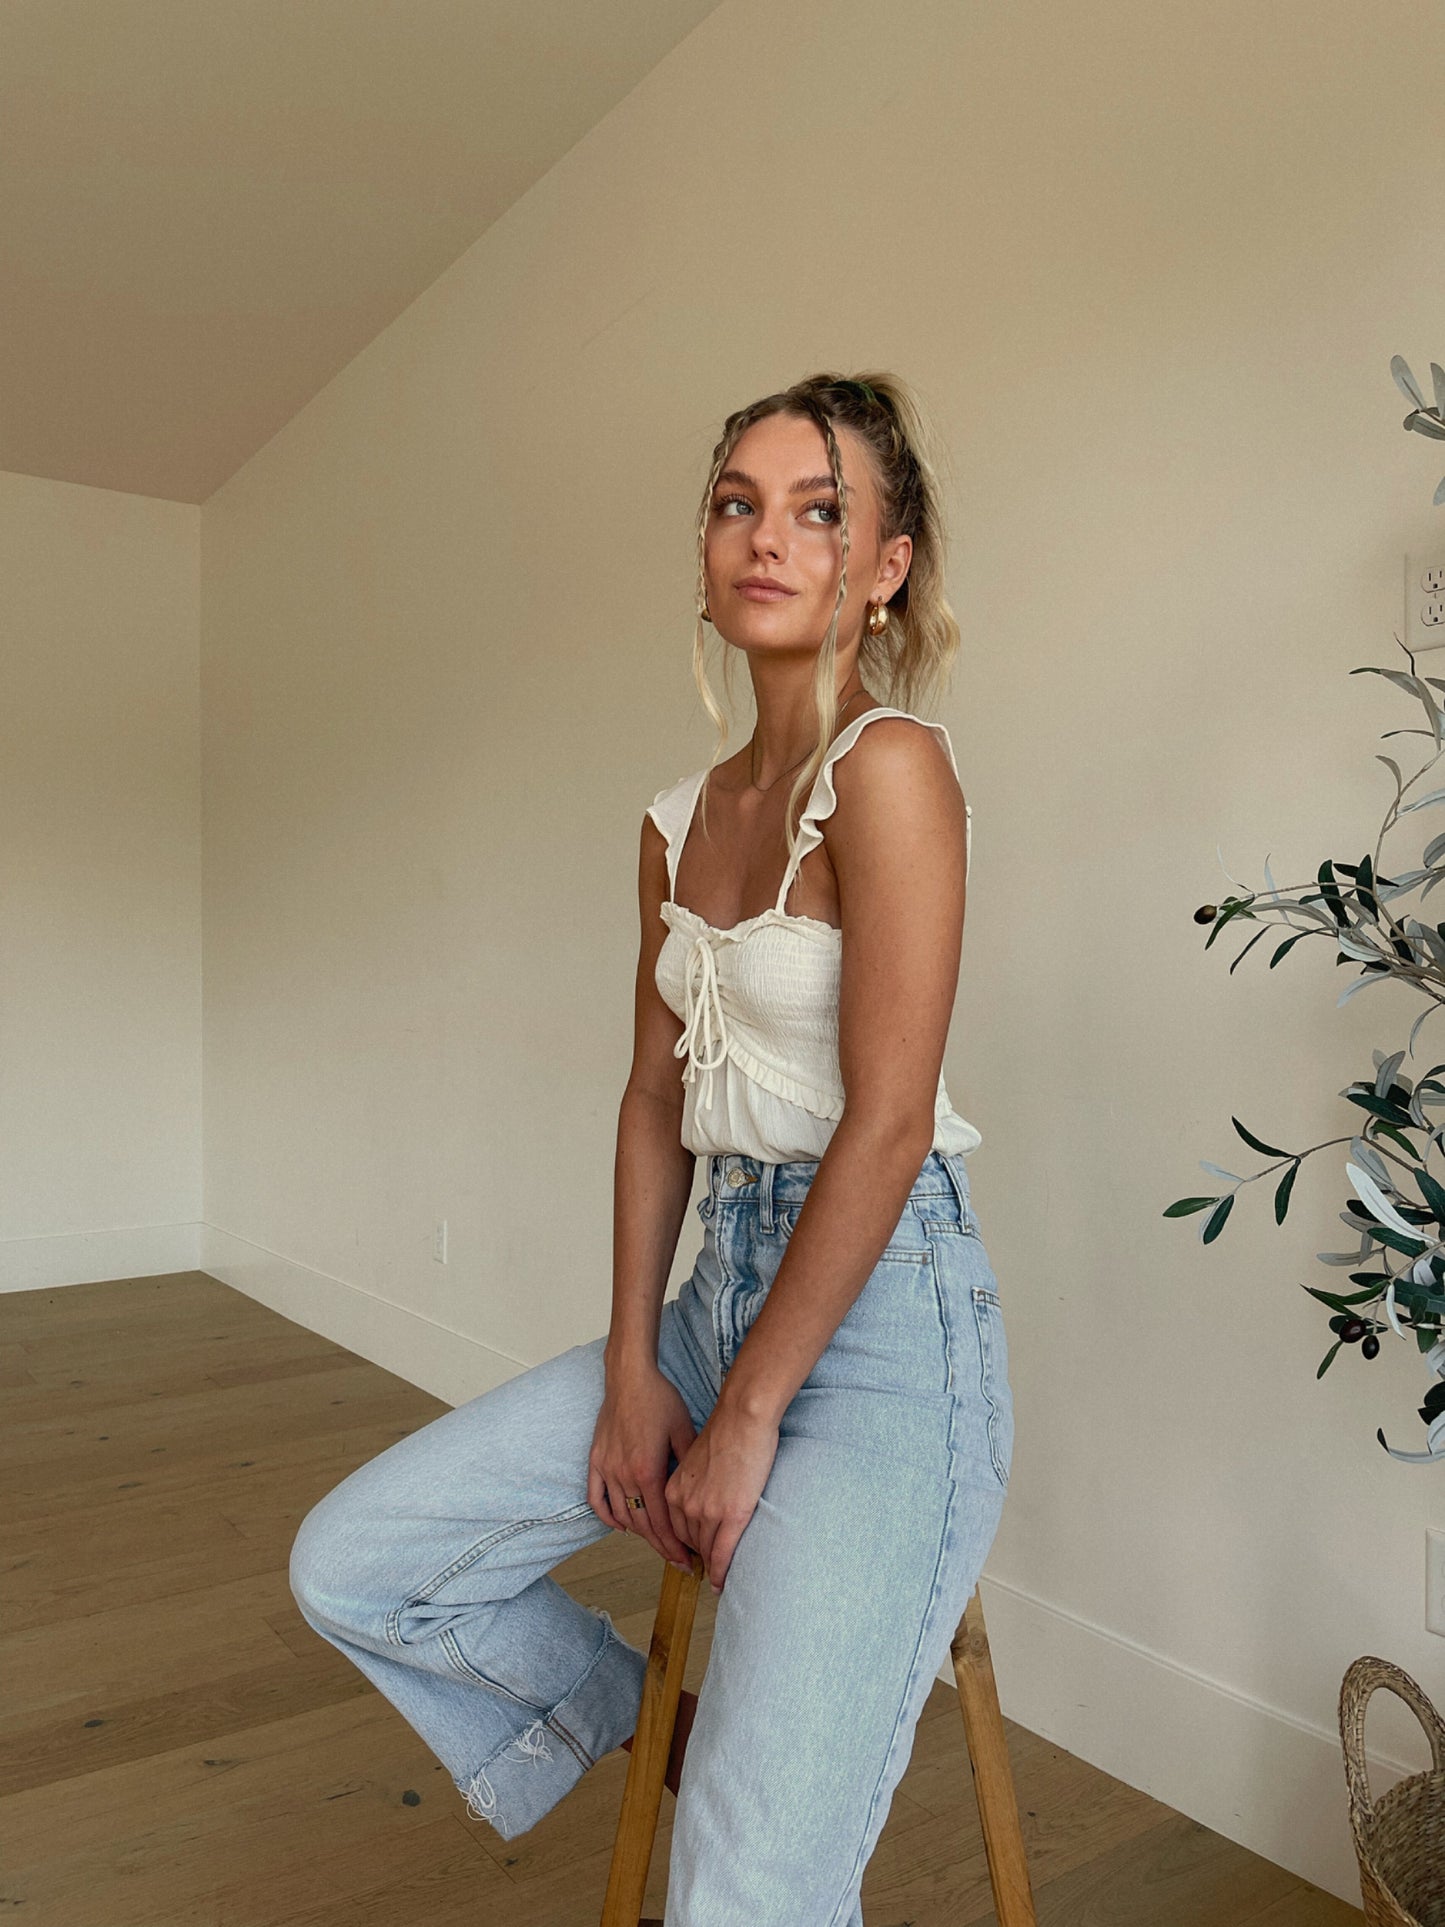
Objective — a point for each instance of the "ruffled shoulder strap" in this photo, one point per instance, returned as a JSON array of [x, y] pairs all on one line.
[[672, 810], [823, 799]]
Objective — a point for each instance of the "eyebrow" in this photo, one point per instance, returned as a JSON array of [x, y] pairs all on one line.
[[802, 486]]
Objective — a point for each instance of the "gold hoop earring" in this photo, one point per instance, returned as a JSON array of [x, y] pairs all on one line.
[[704, 611], [878, 618]]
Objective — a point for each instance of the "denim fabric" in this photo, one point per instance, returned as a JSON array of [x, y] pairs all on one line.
[[428, 1566]]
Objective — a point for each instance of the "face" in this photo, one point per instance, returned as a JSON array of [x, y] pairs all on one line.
[[774, 514]]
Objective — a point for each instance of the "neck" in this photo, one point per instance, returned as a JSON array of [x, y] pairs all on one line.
[[774, 750]]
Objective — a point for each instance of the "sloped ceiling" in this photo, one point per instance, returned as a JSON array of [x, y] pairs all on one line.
[[207, 207]]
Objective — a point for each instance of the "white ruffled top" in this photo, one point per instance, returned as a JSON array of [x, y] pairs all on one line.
[[759, 1000]]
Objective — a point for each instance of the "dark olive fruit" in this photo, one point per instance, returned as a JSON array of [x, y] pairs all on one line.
[[1206, 913], [1369, 1346], [1353, 1329]]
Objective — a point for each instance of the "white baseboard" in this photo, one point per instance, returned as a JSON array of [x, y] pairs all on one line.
[[446, 1363], [95, 1257], [1253, 1772]]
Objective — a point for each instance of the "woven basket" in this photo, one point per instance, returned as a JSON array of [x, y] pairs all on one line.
[[1399, 1838]]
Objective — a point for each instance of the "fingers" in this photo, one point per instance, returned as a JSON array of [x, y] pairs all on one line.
[[700, 1531], [599, 1497], [668, 1541], [681, 1527], [716, 1541], [720, 1554], [709, 1533], [654, 1523]]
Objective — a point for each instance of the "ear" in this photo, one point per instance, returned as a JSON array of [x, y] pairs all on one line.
[[892, 568]]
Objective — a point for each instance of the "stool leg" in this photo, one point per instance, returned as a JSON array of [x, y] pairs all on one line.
[[651, 1747], [993, 1784]]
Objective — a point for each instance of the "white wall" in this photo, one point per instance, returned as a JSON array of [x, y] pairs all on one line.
[[1148, 267], [100, 884]]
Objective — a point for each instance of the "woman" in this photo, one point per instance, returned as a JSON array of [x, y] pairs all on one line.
[[823, 1412]]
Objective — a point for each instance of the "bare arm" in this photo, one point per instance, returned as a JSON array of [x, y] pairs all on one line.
[[897, 843], [653, 1170], [644, 1422]]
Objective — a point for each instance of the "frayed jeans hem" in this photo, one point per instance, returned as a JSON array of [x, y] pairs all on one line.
[[525, 1778]]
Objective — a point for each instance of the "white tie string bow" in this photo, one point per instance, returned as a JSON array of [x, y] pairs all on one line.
[[704, 1039]]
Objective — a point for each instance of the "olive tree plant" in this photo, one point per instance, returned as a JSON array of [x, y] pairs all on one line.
[[1398, 1208]]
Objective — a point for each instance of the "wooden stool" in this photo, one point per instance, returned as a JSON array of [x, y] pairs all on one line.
[[993, 1786]]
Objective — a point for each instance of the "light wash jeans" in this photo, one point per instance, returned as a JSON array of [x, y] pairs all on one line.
[[428, 1566]]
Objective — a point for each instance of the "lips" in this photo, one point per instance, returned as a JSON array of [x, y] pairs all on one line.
[[763, 590]]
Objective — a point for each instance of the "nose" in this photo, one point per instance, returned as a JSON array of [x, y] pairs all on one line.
[[767, 538]]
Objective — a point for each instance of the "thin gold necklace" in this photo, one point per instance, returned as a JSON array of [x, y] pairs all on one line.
[[763, 788]]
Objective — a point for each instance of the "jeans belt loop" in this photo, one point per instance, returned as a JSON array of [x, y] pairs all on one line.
[[765, 1195], [960, 1188]]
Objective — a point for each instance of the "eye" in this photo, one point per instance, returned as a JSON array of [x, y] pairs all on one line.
[[724, 502]]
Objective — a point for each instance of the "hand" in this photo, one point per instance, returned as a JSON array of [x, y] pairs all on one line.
[[716, 1487], [643, 1418]]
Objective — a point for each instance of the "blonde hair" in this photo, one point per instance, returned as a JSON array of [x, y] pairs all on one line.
[[914, 654]]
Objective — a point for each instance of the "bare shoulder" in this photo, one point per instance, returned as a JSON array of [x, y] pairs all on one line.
[[897, 769], [654, 843], [651, 867]]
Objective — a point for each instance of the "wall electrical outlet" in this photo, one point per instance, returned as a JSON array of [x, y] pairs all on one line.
[[1424, 602], [439, 1242], [1435, 1579]]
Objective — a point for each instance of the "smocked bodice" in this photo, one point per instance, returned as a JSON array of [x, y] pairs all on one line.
[[759, 1000]]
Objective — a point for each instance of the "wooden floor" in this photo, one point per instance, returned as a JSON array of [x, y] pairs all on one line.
[[179, 1749]]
